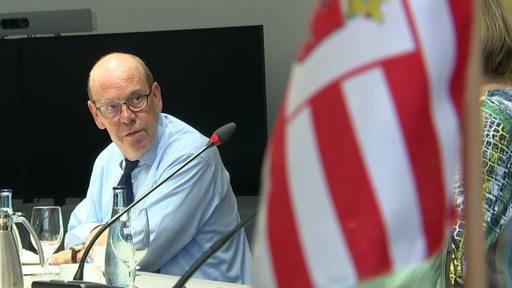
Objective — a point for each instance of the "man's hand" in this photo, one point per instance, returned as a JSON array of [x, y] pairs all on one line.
[[102, 240], [62, 257], [65, 256]]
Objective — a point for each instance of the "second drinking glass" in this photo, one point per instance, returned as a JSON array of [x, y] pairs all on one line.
[[47, 223]]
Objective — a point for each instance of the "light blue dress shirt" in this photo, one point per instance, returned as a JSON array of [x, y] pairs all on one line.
[[187, 214]]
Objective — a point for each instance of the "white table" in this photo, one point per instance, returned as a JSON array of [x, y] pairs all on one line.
[[143, 280], [154, 280]]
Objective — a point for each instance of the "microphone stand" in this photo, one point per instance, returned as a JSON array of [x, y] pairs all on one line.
[[208, 253], [220, 136], [79, 275]]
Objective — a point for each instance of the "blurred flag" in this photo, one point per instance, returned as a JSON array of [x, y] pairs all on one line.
[[358, 173]]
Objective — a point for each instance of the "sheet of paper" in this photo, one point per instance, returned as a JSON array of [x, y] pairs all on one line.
[[37, 269], [29, 257]]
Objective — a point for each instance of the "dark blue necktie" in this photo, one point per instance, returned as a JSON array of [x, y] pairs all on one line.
[[126, 179]]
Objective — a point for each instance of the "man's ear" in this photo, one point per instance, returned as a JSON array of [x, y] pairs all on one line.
[[157, 97], [95, 115]]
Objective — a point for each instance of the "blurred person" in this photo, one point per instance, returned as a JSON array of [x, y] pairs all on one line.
[[496, 111]]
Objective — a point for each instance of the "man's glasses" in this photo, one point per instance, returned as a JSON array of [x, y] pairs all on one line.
[[135, 103]]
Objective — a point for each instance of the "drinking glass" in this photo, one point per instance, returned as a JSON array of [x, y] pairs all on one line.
[[47, 223], [131, 240]]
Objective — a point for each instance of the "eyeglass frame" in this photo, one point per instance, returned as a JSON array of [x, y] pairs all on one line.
[[131, 108]]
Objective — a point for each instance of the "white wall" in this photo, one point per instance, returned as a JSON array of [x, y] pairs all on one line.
[[285, 25]]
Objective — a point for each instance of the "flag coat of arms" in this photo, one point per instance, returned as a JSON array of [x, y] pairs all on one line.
[[358, 174]]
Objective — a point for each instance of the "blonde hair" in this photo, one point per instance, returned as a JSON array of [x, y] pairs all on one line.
[[496, 39]]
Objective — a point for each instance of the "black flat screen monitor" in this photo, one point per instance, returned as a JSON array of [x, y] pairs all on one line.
[[209, 77]]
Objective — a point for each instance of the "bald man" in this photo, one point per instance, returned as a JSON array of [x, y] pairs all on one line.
[[189, 212]]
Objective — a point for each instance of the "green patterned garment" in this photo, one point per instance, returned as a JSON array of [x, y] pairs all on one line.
[[496, 108]]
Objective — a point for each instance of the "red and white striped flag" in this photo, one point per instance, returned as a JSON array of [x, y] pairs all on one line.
[[358, 173]]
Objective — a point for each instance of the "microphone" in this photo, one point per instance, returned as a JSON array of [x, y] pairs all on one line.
[[208, 253], [220, 136]]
